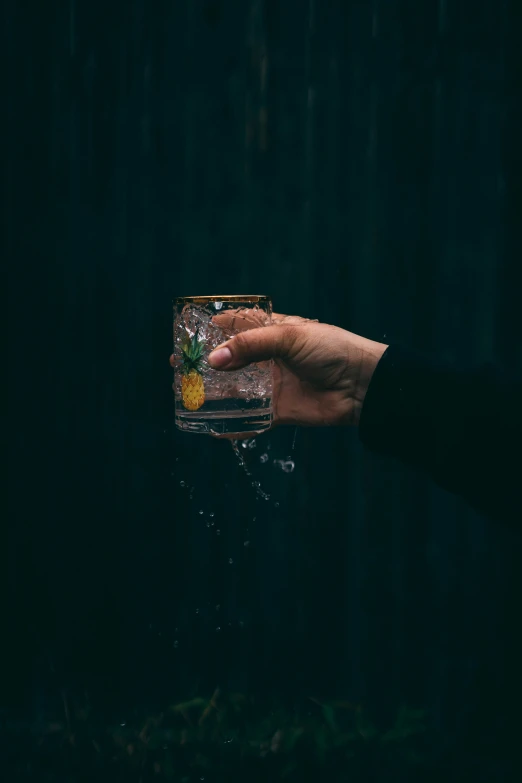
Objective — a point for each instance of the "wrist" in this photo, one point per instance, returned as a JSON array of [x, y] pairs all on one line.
[[370, 354]]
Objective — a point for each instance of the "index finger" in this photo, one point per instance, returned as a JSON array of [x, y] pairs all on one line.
[[240, 320]]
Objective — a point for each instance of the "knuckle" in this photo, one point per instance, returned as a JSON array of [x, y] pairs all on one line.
[[240, 343], [291, 334]]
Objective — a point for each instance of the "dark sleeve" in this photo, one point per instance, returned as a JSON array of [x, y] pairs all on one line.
[[460, 425]]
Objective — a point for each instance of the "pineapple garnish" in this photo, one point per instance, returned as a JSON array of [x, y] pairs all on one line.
[[192, 386]]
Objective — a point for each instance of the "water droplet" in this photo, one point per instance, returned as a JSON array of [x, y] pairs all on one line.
[[247, 543], [241, 624], [263, 458], [218, 607], [197, 611], [177, 459], [123, 724], [211, 514], [182, 483], [254, 519], [176, 645], [256, 484], [164, 432], [201, 512], [276, 504], [252, 444], [218, 628], [230, 561], [218, 532], [286, 465]]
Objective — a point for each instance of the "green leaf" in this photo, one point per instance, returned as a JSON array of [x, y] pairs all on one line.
[[365, 727], [188, 705], [329, 716], [185, 345]]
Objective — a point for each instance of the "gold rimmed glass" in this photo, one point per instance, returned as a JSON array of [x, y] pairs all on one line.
[[212, 401]]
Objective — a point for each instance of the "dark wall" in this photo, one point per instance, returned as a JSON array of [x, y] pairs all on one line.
[[357, 161]]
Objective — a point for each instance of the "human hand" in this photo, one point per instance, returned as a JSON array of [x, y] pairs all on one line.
[[321, 372]]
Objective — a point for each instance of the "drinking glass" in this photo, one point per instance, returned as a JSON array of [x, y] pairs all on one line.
[[214, 401]]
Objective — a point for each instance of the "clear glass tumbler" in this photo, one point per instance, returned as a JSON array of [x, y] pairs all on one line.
[[213, 401]]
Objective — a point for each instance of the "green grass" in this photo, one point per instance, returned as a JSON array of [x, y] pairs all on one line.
[[226, 737]]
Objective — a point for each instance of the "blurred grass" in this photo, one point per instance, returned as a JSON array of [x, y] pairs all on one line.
[[227, 737]]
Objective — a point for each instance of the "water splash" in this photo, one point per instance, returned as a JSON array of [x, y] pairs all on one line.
[[241, 459], [241, 449], [287, 465], [256, 484]]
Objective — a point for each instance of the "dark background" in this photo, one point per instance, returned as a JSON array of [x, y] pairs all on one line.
[[359, 162]]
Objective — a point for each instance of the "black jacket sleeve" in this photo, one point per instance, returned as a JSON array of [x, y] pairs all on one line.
[[463, 426]]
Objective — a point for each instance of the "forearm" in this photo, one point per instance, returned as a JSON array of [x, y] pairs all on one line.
[[463, 427]]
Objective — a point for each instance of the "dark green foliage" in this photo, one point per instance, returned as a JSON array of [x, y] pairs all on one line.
[[225, 738]]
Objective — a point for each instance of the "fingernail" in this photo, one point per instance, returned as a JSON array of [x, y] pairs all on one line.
[[220, 358]]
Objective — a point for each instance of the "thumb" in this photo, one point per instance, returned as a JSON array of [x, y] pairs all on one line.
[[253, 345]]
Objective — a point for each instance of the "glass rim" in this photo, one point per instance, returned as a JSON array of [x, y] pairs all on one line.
[[250, 298]]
